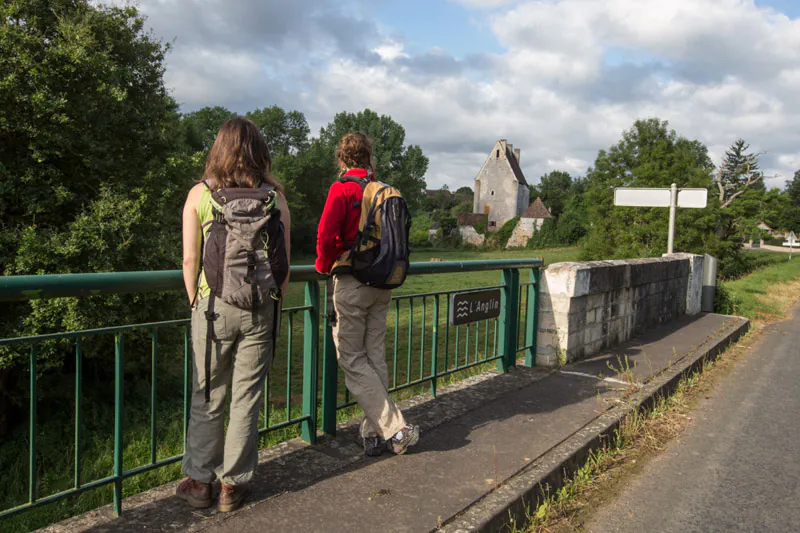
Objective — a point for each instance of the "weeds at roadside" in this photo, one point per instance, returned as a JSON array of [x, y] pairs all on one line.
[[641, 435]]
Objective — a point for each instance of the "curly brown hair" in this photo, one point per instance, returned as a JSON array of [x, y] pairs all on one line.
[[239, 157], [355, 151]]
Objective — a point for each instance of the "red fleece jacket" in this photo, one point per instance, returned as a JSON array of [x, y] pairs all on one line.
[[338, 225]]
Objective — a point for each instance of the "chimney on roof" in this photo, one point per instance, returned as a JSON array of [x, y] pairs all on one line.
[[510, 148], [516, 155]]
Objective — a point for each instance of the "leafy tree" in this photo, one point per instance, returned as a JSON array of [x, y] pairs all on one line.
[[402, 166], [553, 188], [791, 212], [649, 155], [286, 132], [739, 172], [201, 127], [93, 170]]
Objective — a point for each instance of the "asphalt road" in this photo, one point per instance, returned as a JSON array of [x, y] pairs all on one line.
[[737, 467]]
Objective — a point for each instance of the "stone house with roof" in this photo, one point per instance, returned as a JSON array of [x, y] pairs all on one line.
[[530, 220], [501, 191]]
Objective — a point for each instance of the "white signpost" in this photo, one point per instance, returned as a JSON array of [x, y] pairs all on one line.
[[791, 242], [672, 198]]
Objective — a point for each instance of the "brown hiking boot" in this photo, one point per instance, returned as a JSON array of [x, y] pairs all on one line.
[[196, 494], [231, 497]]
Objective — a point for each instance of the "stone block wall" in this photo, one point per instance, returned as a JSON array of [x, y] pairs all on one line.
[[587, 307], [522, 233], [470, 236]]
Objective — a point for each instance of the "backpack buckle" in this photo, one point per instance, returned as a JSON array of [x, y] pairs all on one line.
[[211, 316]]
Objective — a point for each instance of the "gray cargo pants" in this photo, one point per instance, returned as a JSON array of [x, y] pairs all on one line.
[[244, 353], [360, 338]]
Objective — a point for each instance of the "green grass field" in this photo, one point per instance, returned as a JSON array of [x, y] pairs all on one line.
[[767, 291], [409, 348]]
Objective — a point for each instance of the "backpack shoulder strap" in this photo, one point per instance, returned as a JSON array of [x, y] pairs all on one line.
[[362, 182]]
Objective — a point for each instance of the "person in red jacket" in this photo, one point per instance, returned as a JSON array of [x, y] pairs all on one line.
[[359, 311]]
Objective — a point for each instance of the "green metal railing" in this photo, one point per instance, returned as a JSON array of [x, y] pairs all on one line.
[[422, 334]]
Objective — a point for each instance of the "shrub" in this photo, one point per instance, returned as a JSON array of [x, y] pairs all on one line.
[[499, 238], [725, 302]]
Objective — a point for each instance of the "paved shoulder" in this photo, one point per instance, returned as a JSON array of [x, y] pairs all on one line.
[[737, 468]]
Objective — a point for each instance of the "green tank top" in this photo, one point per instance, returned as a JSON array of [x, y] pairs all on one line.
[[205, 213]]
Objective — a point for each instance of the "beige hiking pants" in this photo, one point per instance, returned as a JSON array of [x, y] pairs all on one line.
[[242, 355], [360, 338]]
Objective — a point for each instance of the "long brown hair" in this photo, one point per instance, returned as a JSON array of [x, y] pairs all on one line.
[[355, 151], [239, 158]]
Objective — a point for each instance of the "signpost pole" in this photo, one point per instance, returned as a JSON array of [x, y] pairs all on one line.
[[673, 207]]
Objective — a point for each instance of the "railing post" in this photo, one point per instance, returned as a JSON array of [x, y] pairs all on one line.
[[32, 470], [310, 361], [435, 345], [508, 320], [119, 372], [532, 318], [330, 375]]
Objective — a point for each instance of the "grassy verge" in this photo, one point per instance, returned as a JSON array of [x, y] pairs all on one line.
[[55, 437], [765, 296]]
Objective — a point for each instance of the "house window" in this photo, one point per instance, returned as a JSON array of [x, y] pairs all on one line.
[[492, 224], [492, 193], [497, 155]]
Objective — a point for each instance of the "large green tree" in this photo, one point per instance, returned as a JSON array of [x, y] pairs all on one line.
[[286, 132], [649, 155], [553, 188], [90, 177], [399, 165], [201, 126]]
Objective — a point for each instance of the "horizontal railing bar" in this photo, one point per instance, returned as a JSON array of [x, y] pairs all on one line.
[[439, 293], [88, 486], [282, 425], [115, 329], [22, 288], [429, 378], [524, 348], [297, 309], [57, 497], [98, 331], [151, 466], [351, 403], [447, 267]]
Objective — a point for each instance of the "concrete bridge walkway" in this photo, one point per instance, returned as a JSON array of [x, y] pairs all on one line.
[[486, 443]]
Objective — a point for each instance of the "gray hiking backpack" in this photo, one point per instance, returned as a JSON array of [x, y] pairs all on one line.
[[244, 256]]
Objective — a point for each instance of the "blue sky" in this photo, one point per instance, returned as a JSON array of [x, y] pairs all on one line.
[[560, 79], [426, 24]]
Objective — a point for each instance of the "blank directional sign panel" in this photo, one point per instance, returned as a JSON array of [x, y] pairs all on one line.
[[654, 197], [693, 198], [636, 197]]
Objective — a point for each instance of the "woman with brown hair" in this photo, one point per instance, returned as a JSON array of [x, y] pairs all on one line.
[[359, 311], [237, 220]]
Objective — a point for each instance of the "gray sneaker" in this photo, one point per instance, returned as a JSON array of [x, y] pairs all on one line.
[[373, 446], [404, 439]]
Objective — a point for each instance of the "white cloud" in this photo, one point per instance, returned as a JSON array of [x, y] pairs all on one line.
[[390, 51], [573, 75]]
